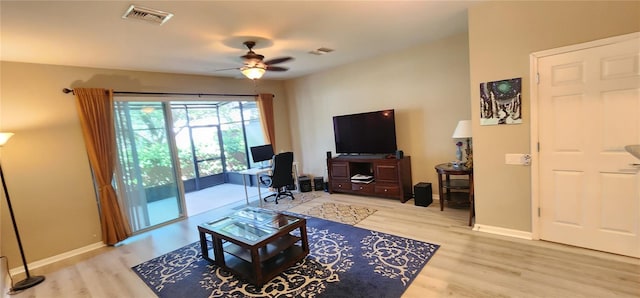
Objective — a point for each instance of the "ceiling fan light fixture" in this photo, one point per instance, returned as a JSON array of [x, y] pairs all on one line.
[[253, 72]]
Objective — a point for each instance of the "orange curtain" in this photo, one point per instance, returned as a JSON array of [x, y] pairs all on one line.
[[265, 105], [95, 108]]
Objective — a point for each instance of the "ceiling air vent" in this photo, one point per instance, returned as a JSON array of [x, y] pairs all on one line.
[[147, 14], [321, 51]]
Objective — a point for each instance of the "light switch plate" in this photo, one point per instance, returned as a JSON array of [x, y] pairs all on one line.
[[517, 159]]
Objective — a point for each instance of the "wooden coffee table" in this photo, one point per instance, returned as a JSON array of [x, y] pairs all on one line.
[[255, 244]]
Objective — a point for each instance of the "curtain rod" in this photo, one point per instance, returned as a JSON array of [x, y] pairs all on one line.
[[67, 91]]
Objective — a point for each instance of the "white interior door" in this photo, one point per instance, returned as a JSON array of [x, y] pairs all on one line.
[[588, 110]]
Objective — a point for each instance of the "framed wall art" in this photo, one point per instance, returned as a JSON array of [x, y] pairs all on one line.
[[501, 102]]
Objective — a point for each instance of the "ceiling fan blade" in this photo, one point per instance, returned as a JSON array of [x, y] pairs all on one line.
[[227, 69], [278, 60], [276, 68]]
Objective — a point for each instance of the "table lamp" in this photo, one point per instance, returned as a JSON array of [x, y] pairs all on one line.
[[463, 131]]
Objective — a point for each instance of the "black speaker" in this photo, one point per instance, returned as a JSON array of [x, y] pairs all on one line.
[[318, 183], [305, 183], [399, 154], [422, 194]]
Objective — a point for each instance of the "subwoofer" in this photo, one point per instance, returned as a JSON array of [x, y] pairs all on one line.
[[318, 183], [423, 195], [305, 183]]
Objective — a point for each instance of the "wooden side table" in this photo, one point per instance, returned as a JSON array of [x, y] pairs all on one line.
[[447, 184]]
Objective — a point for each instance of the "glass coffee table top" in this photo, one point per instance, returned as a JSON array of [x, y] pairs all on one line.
[[250, 225]]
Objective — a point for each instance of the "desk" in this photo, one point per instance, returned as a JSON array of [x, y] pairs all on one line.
[[259, 171], [445, 186]]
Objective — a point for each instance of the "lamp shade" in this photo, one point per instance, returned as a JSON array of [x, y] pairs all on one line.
[[463, 130], [253, 72], [4, 137]]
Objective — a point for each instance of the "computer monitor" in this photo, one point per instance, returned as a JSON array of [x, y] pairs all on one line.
[[262, 153]]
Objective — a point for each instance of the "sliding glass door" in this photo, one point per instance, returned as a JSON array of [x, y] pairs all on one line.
[[170, 149], [149, 186]]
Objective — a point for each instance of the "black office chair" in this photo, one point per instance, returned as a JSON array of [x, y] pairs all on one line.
[[281, 176]]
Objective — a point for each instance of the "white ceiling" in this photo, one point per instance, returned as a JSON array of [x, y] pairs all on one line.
[[205, 36]]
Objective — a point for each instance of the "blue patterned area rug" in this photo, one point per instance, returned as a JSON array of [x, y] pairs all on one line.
[[344, 261]]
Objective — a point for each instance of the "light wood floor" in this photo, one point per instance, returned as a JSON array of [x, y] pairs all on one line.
[[468, 263]]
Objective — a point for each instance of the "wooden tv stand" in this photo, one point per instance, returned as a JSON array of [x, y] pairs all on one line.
[[391, 176]]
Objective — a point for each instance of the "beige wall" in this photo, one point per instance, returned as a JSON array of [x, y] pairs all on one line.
[[46, 165], [502, 35], [428, 86]]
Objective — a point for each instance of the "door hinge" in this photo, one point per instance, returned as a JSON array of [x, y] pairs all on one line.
[[538, 211], [538, 146], [537, 78]]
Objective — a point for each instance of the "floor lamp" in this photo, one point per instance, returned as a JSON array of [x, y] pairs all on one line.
[[29, 281]]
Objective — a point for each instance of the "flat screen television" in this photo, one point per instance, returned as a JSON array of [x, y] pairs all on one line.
[[261, 153], [365, 133]]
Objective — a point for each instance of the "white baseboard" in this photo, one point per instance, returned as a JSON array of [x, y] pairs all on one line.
[[6, 280], [503, 231], [496, 230], [60, 257]]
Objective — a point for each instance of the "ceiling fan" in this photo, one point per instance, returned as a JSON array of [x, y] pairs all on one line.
[[254, 64]]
